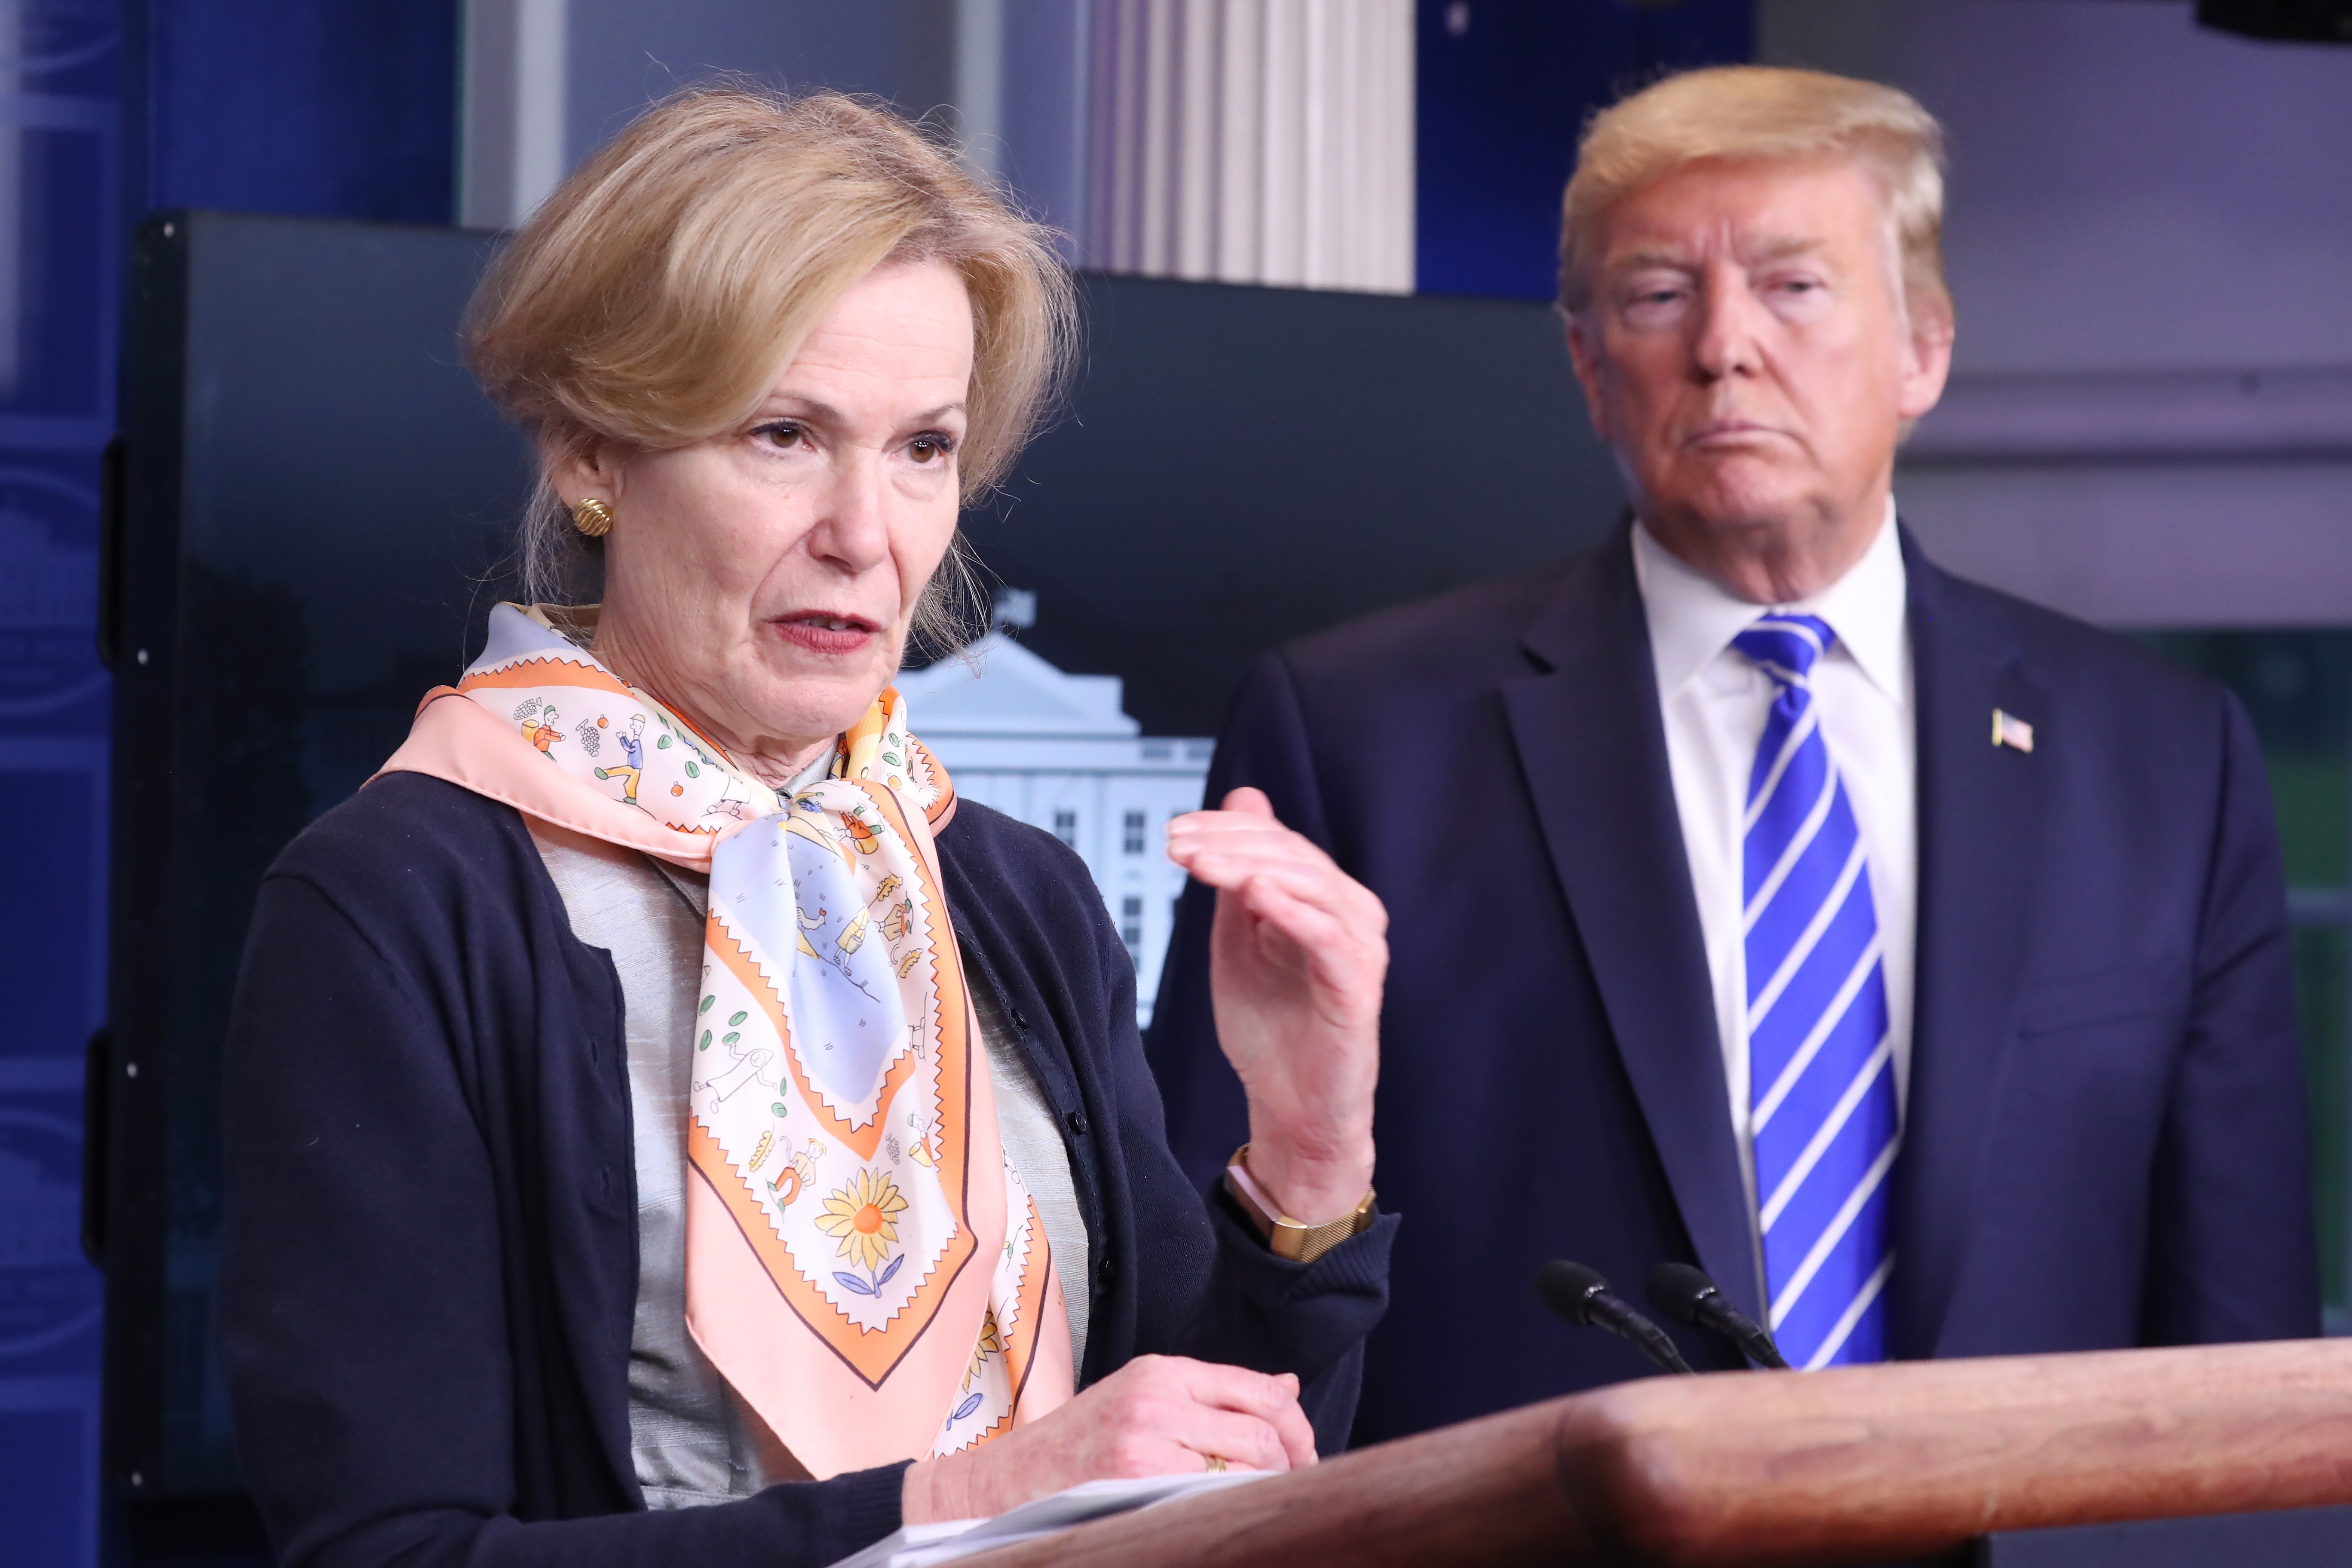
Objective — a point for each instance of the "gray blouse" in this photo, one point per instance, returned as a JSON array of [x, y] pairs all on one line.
[[693, 1441]]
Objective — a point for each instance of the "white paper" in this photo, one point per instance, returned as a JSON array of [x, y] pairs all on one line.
[[920, 1545]]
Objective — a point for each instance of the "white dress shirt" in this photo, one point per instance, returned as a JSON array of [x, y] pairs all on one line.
[[1714, 701]]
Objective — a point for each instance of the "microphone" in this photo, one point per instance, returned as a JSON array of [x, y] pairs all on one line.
[[1582, 1297], [1688, 1296]]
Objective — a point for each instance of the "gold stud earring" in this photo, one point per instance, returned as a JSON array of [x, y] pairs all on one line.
[[592, 518]]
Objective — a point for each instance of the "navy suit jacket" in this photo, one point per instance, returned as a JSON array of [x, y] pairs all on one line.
[[431, 1269], [2104, 1140]]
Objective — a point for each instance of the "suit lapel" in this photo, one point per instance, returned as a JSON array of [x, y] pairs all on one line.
[[1981, 808], [1593, 749]]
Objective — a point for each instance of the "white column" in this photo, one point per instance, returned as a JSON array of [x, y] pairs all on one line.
[[980, 83], [1115, 151], [1253, 140], [512, 122], [1192, 253], [1242, 140], [1239, 177]]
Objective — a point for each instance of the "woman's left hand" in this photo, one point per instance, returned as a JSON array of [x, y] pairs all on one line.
[[1297, 958]]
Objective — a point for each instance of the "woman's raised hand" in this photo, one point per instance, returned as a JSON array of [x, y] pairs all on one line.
[[1157, 1415], [1297, 959]]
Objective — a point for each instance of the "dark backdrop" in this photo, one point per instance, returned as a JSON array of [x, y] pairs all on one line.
[[1242, 465]]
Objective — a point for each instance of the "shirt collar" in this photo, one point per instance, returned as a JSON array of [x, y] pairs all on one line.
[[1693, 620], [816, 774]]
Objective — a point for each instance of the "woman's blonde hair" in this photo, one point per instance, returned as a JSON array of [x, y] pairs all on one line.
[[1765, 114], [655, 298]]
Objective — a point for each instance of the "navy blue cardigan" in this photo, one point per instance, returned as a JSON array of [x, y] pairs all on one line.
[[431, 1262]]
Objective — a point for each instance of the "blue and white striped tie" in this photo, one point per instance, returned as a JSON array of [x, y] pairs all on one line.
[[1821, 1066]]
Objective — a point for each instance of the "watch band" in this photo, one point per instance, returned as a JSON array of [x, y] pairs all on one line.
[[1284, 1237]]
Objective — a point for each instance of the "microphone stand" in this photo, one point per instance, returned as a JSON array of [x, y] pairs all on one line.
[[1582, 1297]]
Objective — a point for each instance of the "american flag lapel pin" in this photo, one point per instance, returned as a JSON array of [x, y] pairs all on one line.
[[2008, 730]]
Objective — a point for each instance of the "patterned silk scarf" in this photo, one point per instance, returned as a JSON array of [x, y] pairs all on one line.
[[863, 1263]]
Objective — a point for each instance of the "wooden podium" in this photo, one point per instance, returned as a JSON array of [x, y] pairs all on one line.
[[1867, 1465]]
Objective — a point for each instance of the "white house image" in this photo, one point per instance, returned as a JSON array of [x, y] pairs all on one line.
[[1057, 752]]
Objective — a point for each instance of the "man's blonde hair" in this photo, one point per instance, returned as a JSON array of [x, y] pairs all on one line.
[[655, 298], [1764, 114]]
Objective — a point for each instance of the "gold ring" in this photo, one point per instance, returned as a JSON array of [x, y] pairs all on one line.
[[1217, 1462]]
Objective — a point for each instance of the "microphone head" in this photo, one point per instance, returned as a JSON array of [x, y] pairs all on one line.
[[1567, 1288], [1677, 1288]]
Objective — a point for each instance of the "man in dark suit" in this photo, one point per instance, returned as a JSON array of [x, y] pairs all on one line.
[[1913, 960]]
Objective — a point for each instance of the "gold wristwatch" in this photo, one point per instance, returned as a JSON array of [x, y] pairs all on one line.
[[1284, 1237]]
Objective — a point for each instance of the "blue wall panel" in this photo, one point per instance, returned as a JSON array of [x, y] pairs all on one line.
[[311, 107], [107, 108], [1501, 89], [59, 156]]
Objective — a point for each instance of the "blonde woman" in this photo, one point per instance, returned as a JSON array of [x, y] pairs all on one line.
[[665, 1124]]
